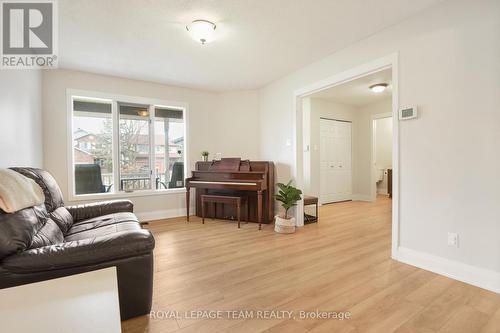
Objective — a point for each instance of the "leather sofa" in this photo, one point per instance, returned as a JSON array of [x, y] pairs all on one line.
[[52, 240]]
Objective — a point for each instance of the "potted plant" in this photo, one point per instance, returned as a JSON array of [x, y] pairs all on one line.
[[288, 195], [204, 155]]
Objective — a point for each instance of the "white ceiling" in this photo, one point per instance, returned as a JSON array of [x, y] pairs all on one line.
[[357, 92], [258, 41]]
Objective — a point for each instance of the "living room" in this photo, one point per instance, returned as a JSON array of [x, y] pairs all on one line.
[[161, 159]]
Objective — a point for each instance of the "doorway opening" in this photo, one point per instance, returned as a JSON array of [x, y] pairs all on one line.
[[347, 136], [347, 141]]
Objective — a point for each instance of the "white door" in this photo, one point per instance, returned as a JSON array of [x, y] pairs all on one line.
[[335, 161]]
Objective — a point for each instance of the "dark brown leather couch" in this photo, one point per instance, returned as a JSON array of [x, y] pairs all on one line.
[[51, 240]]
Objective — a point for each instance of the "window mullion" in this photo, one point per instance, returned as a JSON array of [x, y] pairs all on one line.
[[152, 150], [116, 147]]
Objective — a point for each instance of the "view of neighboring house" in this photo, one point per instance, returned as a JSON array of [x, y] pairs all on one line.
[[85, 146], [89, 148]]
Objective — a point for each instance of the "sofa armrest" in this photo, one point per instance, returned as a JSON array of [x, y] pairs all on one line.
[[95, 209], [82, 252]]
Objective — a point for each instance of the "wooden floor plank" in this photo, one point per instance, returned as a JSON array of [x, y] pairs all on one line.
[[493, 324], [340, 264], [465, 320]]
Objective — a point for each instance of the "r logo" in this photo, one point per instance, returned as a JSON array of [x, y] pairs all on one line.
[[27, 28]]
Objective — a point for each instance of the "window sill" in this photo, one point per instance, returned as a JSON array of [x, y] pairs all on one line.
[[122, 195]]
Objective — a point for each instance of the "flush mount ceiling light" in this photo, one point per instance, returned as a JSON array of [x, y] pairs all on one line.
[[202, 31], [143, 113], [379, 87]]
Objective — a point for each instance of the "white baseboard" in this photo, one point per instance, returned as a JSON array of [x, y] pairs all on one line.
[[162, 214], [477, 276]]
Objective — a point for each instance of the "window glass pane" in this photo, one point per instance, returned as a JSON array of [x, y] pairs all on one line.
[[169, 148], [135, 171], [92, 146]]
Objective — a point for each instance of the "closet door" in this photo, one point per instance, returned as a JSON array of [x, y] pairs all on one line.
[[335, 161]]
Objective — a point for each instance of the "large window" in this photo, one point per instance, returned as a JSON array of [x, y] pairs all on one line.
[[120, 146]]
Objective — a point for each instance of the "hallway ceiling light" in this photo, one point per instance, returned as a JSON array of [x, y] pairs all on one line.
[[379, 87], [202, 31]]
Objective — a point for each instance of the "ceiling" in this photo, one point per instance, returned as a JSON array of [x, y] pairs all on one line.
[[258, 41], [357, 92]]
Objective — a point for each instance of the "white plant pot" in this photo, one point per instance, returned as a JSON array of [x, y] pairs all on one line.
[[284, 226]]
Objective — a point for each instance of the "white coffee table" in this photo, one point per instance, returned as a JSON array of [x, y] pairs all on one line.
[[85, 302]]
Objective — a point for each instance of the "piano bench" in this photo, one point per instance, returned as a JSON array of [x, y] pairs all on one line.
[[224, 199]]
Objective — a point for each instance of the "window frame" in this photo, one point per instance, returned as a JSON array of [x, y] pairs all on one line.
[[114, 99]]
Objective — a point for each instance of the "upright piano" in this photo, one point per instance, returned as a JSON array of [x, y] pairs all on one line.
[[233, 176]]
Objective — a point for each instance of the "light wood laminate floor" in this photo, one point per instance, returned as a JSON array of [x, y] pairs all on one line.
[[341, 264]]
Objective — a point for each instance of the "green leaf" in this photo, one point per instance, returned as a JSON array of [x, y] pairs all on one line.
[[288, 195]]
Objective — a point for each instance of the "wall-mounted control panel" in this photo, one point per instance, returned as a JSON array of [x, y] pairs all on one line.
[[408, 113]]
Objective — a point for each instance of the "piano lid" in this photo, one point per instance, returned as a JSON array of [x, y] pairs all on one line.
[[230, 164]]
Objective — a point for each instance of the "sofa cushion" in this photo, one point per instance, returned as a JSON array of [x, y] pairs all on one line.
[[82, 252], [53, 194], [18, 229], [103, 225], [63, 218], [49, 234], [95, 209]]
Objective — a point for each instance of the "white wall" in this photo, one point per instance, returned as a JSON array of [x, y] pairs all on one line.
[[383, 143], [21, 118], [448, 66], [217, 122], [382, 136], [234, 125]]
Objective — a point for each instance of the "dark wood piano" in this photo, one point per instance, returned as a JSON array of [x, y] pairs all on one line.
[[233, 176]]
